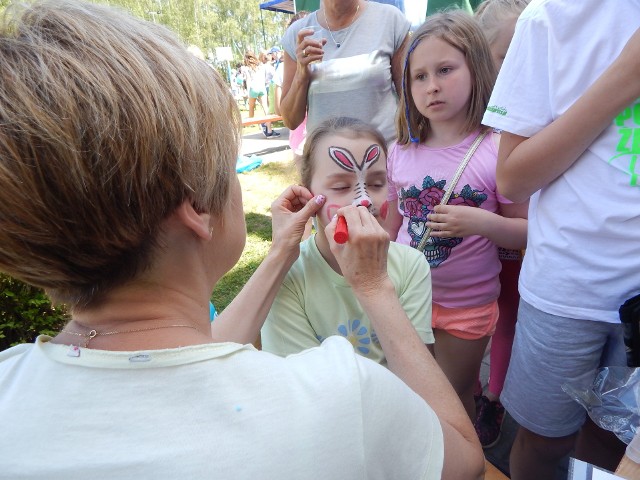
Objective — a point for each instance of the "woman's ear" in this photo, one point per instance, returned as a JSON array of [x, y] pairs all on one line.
[[199, 223]]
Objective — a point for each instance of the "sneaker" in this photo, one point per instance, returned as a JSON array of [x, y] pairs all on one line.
[[488, 424], [264, 130], [272, 134]]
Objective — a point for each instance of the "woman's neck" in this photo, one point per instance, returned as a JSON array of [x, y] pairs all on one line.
[[341, 13], [142, 319]]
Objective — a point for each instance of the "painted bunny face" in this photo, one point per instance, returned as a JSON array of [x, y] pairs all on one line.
[[350, 171]]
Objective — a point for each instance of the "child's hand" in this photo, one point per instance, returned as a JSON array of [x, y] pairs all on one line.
[[458, 221], [363, 258], [289, 215]]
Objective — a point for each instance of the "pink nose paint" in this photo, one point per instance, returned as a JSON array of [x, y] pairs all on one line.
[[365, 203], [341, 235]]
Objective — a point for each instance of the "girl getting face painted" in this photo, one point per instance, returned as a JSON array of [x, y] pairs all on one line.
[[346, 160]]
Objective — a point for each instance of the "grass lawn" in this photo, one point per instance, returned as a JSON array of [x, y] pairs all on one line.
[[259, 188]]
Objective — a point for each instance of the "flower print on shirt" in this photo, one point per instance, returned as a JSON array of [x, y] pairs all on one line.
[[417, 203], [357, 334]]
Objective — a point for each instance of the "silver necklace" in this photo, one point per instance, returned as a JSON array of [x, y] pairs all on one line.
[[329, 28], [94, 333]]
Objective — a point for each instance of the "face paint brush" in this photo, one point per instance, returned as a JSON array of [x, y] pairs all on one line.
[[341, 235]]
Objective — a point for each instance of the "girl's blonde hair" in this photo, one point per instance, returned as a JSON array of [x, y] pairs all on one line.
[[346, 126], [107, 125], [491, 15], [461, 31], [251, 61]]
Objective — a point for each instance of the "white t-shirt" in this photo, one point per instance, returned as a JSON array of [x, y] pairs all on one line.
[[222, 411], [583, 250]]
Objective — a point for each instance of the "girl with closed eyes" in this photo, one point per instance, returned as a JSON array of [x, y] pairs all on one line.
[[345, 159]]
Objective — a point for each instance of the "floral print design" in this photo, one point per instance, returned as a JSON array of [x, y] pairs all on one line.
[[416, 204]]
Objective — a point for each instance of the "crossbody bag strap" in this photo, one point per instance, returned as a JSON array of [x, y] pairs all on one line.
[[447, 194]]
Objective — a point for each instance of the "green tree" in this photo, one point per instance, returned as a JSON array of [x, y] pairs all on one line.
[[239, 24]]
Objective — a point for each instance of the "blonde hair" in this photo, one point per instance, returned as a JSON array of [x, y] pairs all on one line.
[[491, 15], [251, 61], [345, 126], [107, 124], [461, 31]]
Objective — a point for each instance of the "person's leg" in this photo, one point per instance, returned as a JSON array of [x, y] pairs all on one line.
[[490, 415], [461, 369], [548, 351], [252, 106], [502, 339], [534, 457], [595, 445], [599, 447], [266, 127]]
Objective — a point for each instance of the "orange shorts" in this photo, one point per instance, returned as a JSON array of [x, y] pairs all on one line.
[[467, 323]]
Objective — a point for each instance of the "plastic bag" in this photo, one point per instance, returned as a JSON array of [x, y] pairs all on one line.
[[613, 401]]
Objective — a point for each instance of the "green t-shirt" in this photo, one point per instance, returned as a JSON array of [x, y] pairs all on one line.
[[315, 302]]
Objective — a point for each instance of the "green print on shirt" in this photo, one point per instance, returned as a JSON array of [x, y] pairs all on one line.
[[496, 109], [629, 144]]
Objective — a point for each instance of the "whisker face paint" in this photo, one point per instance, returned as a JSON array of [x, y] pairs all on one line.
[[341, 235]]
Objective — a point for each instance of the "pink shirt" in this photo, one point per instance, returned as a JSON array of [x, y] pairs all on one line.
[[464, 270]]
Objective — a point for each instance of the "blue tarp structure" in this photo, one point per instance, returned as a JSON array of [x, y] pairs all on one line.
[[284, 6]]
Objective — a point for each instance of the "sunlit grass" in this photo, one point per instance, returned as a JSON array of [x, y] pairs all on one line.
[[259, 188]]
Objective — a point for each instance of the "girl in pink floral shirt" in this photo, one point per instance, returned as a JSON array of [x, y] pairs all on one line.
[[447, 82]]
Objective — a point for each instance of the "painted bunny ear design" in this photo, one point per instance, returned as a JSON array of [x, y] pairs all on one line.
[[343, 158], [371, 156]]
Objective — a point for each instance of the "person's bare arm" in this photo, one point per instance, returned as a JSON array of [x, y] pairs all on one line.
[[242, 320], [362, 261], [525, 165], [296, 76], [507, 229], [628, 469]]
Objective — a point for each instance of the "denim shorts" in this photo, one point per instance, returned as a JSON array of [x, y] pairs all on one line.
[[549, 351]]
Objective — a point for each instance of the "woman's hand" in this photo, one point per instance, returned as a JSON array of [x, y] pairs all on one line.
[[309, 49], [290, 212], [363, 258], [458, 221]]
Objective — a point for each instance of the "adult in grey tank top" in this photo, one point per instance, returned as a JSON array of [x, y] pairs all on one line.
[[350, 65]]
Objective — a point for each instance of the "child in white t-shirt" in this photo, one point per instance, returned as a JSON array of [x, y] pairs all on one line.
[[567, 143]]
